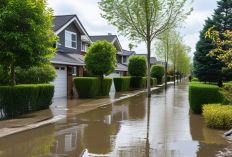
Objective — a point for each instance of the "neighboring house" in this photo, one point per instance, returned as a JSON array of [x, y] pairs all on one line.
[[153, 60], [69, 60], [124, 58], [120, 69]]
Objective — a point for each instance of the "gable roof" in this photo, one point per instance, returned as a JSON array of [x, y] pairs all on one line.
[[127, 53], [60, 22], [110, 38], [120, 67]]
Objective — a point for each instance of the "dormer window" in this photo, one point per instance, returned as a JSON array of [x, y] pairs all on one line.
[[124, 59], [70, 40]]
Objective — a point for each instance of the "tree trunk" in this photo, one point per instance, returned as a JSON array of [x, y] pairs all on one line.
[[148, 68], [12, 74], [174, 74], [101, 85]]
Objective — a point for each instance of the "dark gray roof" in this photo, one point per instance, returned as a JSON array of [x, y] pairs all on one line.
[[152, 59], [108, 38], [72, 58], [60, 21], [121, 67], [127, 53]]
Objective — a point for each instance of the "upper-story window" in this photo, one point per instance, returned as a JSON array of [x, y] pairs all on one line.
[[84, 47], [70, 39], [124, 59]]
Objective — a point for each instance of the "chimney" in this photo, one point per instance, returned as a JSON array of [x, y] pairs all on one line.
[[109, 33]]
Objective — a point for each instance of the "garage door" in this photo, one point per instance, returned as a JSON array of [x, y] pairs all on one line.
[[115, 74], [61, 81]]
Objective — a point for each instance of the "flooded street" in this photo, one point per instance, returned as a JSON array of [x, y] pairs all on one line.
[[162, 126]]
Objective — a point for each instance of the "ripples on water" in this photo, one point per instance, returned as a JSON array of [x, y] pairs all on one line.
[[160, 126]]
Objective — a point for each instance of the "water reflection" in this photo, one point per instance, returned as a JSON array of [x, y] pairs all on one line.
[[160, 126]]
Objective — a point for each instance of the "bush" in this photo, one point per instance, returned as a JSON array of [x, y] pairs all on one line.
[[87, 87], [163, 80], [107, 83], [24, 98], [138, 82], [194, 79], [153, 81], [137, 66], [217, 115], [171, 71], [200, 94], [157, 71], [170, 78], [122, 83]]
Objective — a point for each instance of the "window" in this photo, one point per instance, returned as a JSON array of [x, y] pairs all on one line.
[[62, 68], [57, 68], [74, 71], [124, 59], [82, 46], [86, 47], [70, 40]]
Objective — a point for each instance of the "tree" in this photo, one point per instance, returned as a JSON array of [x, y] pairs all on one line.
[[209, 68], [144, 20], [157, 71], [137, 66], [222, 31], [162, 49], [100, 59], [26, 36], [131, 46]]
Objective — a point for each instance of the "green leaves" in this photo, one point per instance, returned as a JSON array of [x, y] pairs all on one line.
[[137, 66]]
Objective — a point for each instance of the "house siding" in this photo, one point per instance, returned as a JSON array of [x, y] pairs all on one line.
[[71, 28]]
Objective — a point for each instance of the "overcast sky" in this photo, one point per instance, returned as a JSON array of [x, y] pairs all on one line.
[[89, 14]]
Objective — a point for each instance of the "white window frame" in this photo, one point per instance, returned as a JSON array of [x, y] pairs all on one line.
[[122, 59], [74, 71], [85, 47], [71, 39], [82, 43]]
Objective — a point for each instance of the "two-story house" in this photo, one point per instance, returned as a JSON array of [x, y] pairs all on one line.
[[69, 60]]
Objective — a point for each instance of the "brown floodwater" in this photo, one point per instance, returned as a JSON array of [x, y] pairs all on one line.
[[161, 126]]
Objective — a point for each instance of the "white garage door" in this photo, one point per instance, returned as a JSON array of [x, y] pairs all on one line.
[[115, 74], [61, 81]]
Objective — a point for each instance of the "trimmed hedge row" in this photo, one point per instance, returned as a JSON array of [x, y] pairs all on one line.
[[138, 82], [153, 81], [170, 78], [200, 94], [107, 83], [122, 83], [88, 87], [22, 99], [217, 115]]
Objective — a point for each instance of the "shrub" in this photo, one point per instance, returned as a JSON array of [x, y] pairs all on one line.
[[107, 83], [194, 79], [200, 94], [171, 71], [157, 71], [137, 66], [35, 75], [153, 81], [100, 60], [170, 78], [122, 83], [217, 115], [138, 82], [163, 80], [87, 87], [24, 98]]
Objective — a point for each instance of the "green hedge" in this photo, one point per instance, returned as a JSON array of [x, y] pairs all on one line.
[[87, 87], [200, 94], [107, 83], [138, 82], [217, 115], [25, 98], [163, 80], [153, 81], [122, 83], [170, 78]]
